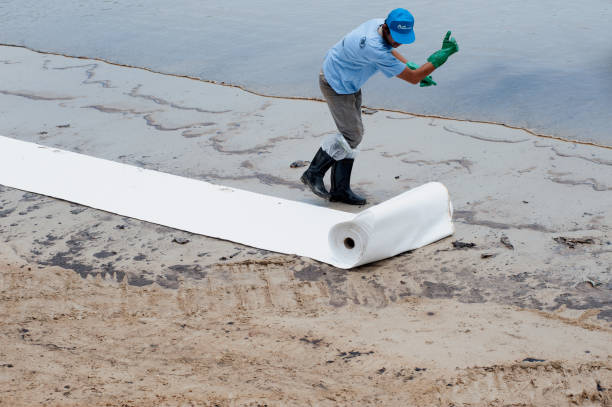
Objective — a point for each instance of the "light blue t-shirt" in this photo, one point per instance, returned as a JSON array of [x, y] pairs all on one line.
[[358, 56]]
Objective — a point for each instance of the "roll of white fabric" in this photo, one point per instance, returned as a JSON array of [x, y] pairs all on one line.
[[410, 220]]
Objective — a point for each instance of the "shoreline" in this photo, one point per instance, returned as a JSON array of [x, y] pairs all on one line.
[[227, 141], [515, 308], [245, 89]]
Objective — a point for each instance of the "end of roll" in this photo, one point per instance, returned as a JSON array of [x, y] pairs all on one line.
[[348, 242], [408, 221]]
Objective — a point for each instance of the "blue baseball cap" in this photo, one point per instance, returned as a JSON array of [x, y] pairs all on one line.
[[401, 24]]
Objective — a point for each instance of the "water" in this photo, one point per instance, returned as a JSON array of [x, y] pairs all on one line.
[[542, 65]]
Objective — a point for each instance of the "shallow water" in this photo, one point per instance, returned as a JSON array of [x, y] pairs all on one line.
[[545, 66]]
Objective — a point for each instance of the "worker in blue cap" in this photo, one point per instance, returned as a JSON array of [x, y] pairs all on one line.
[[364, 51]]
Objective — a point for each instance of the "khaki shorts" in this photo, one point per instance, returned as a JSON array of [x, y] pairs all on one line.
[[346, 111]]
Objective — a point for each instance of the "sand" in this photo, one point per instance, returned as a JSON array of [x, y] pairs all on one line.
[[99, 309]]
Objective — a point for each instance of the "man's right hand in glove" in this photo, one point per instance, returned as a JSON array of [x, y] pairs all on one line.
[[449, 47], [427, 81]]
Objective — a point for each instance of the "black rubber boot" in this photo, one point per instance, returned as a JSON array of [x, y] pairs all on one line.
[[313, 176], [341, 183]]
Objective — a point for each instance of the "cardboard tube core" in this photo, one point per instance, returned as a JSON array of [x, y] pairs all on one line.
[[349, 243]]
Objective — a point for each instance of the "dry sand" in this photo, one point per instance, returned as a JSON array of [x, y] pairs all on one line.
[[72, 341], [99, 309]]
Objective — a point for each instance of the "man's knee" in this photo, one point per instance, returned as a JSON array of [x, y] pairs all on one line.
[[354, 138], [353, 133]]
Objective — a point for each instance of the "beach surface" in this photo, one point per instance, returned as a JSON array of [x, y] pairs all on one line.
[[98, 309]]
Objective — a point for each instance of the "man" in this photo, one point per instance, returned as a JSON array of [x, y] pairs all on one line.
[[347, 66]]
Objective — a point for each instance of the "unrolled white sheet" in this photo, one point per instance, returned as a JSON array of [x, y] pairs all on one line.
[[410, 220]]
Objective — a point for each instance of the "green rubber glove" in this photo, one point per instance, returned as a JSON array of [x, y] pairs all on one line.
[[427, 81], [449, 47]]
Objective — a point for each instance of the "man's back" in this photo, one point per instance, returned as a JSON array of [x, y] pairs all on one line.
[[358, 56]]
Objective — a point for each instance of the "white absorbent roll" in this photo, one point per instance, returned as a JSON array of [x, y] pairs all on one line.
[[410, 220]]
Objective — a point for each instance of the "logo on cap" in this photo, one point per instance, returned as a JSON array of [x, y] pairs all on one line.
[[401, 26]]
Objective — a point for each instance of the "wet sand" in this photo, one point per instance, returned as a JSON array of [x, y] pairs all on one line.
[[126, 312]]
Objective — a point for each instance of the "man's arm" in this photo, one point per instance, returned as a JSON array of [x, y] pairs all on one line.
[[413, 76], [417, 75], [398, 56]]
